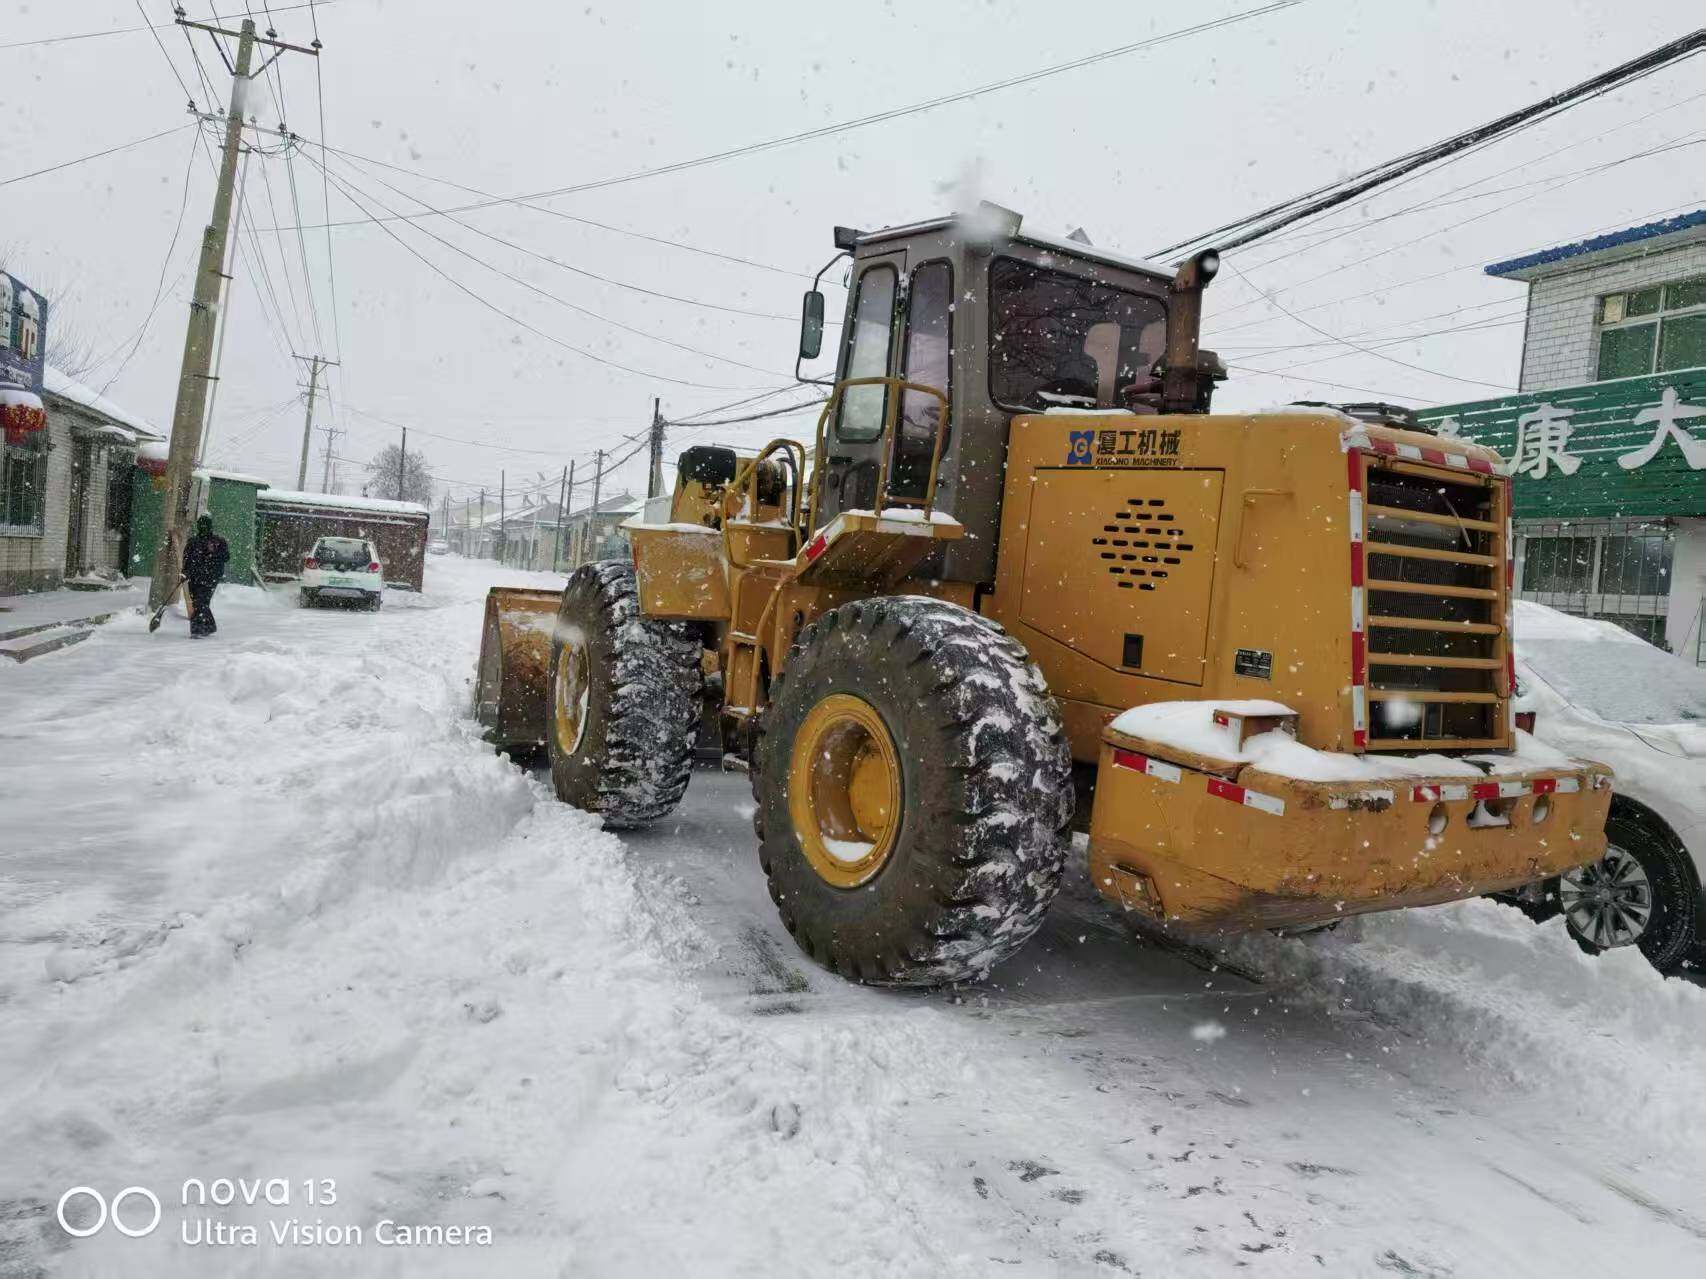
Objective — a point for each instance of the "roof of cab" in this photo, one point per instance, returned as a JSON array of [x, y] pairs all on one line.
[[1025, 235]]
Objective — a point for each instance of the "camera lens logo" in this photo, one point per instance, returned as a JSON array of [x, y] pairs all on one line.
[[1078, 452], [110, 1210]]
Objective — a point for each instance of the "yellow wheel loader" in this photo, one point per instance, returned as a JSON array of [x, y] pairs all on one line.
[[1023, 574]]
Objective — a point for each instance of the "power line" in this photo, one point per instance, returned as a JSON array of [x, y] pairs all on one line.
[[1387, 289], [165, 264], [513, 319], [284, 263], [880, 117], [1472, 381], [125, 146], [350, 157], [591, 275], [603, 319], [521, 202], [1248, 229], [1558, 183], [302, 249], [1325, 234], [190, 97], [325, 191], [964, 95], [784, 411], [125, 31]]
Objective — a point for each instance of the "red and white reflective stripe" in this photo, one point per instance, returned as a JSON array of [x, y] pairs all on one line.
[[1496, 790], [1440, 457], [1510, 615], [816, 547], [1433, 794], [1359, 636], [1249, 798], [1159, 769]]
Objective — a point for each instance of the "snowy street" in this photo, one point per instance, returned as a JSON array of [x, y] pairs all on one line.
[[269, 908]]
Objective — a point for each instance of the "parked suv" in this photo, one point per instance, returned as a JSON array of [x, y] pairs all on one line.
[[342, 568], [1598, 692]]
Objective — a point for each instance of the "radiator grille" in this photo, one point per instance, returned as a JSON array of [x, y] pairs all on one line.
[[1142, 544], [1435, 567]]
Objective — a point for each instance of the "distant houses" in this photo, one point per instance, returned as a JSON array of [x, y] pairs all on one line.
[[535, 535]]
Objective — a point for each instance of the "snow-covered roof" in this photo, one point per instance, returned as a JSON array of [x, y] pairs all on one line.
[[1026, 235], [63, 386], [236, 477], [338, 502]]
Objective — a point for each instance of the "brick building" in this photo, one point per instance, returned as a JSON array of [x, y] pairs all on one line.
[[1607, 437], [65, 492]]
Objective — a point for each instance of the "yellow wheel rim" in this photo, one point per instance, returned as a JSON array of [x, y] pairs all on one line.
[[844, 790], [571, 687]]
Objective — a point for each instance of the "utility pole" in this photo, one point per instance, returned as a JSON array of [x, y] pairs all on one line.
[[654, 480], [315, 363], [503, 517], [480, 541], [224, 314], [190, 411], [563, 515], [402, 458], [331, 433], [592, 515]]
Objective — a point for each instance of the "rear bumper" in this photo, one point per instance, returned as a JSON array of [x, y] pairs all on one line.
[[1255, 850]]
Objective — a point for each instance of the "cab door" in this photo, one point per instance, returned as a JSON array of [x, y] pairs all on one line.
[[852, 441]]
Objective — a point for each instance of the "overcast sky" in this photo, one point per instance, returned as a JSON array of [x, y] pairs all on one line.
[[519, 96]]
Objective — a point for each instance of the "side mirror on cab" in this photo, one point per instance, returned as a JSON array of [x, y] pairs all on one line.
[[811, 325]]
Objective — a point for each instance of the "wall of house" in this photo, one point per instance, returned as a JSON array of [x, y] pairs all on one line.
[[1561, 347], [36, 562], [1687, 590]]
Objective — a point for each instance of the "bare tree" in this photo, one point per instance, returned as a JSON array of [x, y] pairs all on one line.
[[68, 347], [383, 474]]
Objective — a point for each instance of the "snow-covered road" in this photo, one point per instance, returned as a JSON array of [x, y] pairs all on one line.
[[269, 909]]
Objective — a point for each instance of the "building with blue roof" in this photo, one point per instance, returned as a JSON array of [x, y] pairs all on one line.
[[1607, 438]]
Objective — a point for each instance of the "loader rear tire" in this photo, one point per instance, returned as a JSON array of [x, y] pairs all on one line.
[[914, 791], [623, 703]]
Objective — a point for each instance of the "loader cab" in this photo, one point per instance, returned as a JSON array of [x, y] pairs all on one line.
[[1004, 321]]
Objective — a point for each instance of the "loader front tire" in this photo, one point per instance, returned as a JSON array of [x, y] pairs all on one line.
[[623, 702], [914, 791]]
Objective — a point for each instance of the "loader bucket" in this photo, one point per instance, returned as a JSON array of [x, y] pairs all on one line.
[[513, 679]]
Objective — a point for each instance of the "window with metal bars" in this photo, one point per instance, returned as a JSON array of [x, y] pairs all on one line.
[[1615, 570]]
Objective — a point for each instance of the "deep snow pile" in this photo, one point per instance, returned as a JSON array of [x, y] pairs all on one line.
[[325, 933], [271, 909]]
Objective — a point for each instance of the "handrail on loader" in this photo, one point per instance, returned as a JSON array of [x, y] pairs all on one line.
[[748, 476], [891, 414]]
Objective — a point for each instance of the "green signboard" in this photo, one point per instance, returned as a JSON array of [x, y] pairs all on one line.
[[1630, 448]]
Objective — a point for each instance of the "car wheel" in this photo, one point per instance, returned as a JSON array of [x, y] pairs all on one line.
[[1641, 893], [374, 601], [305, 599]]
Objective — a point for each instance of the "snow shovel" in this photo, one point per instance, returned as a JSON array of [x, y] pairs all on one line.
[[154, 622]]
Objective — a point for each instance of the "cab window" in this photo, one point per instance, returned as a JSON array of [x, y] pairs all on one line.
[[862, 407], [1057, 339], [928, 347]]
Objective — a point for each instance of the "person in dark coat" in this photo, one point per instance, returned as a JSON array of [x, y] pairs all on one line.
[[204, 565]]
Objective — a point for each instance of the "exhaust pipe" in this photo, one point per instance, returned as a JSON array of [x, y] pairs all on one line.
[[1188, 373]]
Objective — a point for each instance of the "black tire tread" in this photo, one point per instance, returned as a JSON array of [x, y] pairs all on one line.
[[650, 699], [1008, 770]]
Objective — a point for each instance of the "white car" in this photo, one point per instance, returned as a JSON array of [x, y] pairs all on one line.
[[1600, 693], [342, 568]]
